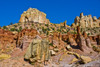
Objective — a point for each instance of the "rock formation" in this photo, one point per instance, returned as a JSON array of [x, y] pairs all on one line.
[[34, 15], [38, 50], [63, 24], [83, 41], [7, 41], [41, 42], [86, 21], [25, 36]]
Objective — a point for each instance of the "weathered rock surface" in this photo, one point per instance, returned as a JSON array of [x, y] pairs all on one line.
[[25, 36], [38, 50], [85, 59], [7, 41], [4, 56], [30, 40], [86, 21], [33, 15], [83, 42]]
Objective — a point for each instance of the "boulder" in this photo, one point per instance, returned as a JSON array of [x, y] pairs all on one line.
[[85, 59], [38, 50], [4, 56], [68, 47], [53, 53], [56, 49], [75, 54], [74, 60]]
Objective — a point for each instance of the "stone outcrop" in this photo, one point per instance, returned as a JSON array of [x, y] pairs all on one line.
[[71, 40], [4, 56], [63, 24], [98, 41], [86, 21], [38, 50], [25, 36], [85, 59], [42, 43], [7, 41], [34, 15], [83, 41], [88, 42]]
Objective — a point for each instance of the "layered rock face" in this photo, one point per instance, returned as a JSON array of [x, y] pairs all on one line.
[[38, 51], [25, 37], [7, 41], [86, 21], [33, 15]]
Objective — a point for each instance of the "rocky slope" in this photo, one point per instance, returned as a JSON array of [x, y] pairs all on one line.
[[35, 42]]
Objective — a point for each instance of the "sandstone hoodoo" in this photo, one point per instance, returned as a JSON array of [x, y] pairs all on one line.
[[38, 51], [34, 15], [86, 21]]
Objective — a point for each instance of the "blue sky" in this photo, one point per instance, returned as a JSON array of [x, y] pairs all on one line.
[[57, 10]]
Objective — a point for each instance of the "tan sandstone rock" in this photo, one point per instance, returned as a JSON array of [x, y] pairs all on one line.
[[33, 15], [85, 59], [86, 21]]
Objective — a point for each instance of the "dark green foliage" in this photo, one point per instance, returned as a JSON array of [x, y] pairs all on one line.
[[46, 25], [59, 30], [48, 29], [65, 32], [47, 33], [53, 28], [61, 27], [4, 27], [88, 34], [51, 44], [97, 49], [11, 23], [15, 25], [32, 24], [74, 32], [44, 30], [20, 28], [13, 29]]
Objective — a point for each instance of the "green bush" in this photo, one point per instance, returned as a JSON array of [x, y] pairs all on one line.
[[97, 49], [48, 29], [44, 30], [32, 24], [15, 25], [20, 28], [46, 25], [52, 28], [51, 44], [13, 29], [88, 34], [4, 27], [59, 30]]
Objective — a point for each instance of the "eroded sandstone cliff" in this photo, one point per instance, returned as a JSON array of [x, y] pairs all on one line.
[[34, 15], [86, 21]]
